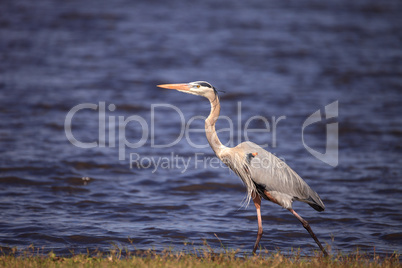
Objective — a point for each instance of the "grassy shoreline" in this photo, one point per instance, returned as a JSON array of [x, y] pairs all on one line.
[[198, 258]]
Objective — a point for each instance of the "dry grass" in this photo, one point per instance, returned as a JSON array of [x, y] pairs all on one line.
[[204, 257]]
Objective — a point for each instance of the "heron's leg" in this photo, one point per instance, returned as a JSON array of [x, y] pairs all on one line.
[[257, 203], [306, 225]]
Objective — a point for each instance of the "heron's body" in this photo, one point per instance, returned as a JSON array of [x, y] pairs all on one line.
[[264, 175], [273, 179]]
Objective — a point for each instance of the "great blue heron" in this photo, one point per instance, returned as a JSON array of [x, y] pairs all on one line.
[[264, 175]]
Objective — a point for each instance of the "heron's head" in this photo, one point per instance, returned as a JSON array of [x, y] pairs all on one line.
[[200, 88]]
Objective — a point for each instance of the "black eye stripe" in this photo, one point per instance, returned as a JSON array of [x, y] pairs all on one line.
[[205, 85]]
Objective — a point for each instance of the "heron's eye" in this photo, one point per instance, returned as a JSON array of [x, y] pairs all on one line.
[[198, 86]]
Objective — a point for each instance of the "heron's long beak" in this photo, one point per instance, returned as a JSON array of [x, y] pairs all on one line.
[[183, 87]]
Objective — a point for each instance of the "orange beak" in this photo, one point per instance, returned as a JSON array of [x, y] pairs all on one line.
[[183, 87], [254, 154]]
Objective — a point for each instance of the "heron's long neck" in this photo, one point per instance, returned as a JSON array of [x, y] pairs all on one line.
[[210, 131]]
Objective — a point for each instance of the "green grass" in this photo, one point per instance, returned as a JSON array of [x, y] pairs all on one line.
[[203, 257]]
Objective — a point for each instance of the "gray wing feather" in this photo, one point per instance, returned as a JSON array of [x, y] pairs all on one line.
[[274, 175]]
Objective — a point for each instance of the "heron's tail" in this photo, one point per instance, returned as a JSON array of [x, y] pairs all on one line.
[[315, 202], [317, 207]]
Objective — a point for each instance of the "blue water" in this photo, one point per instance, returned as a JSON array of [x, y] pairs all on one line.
[[277, 59]]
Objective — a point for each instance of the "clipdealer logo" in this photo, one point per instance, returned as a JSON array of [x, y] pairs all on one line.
[[331, 155], [107, 136]]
